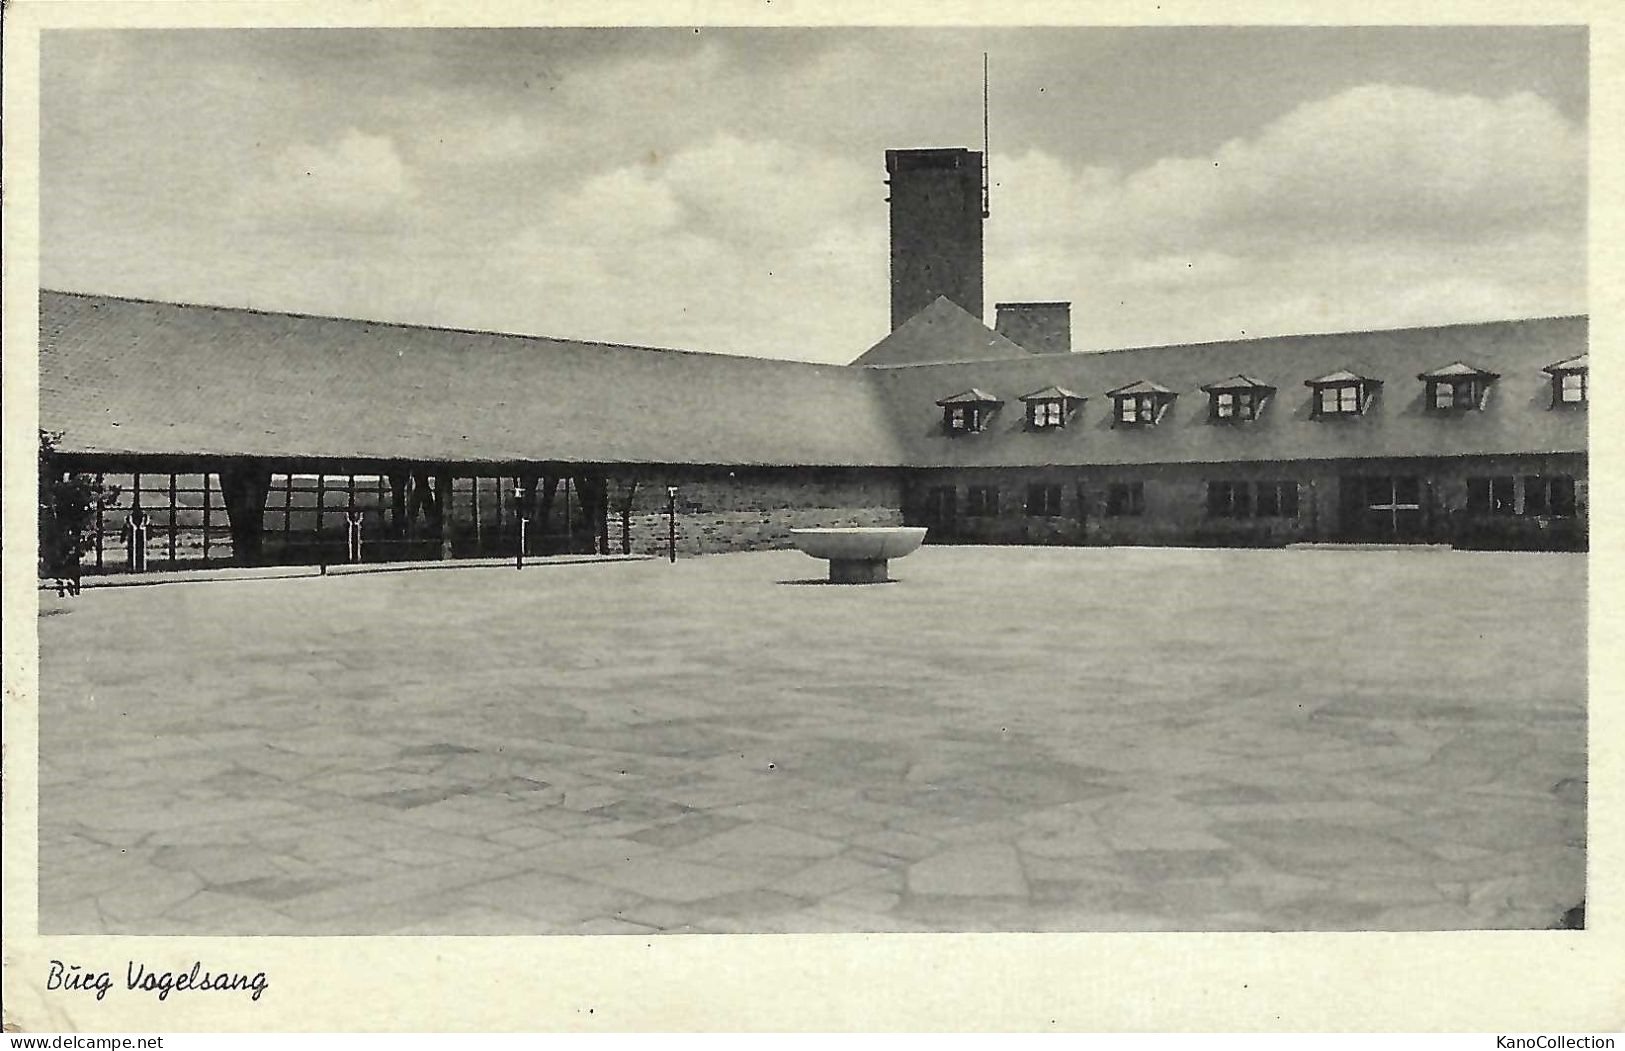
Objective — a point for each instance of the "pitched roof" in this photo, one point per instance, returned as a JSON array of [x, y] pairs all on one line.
[[137, 377], [1574, 364], [1050, 393], [1340, 376], [1454, 370], [1397, 423], [1139, 387], [1237, 382], [132, 376], [943, 331], [971, 397]]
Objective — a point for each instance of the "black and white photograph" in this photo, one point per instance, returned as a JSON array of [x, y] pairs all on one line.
[[673, 480]]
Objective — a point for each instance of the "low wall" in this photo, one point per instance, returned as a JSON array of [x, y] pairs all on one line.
[[742, 509]]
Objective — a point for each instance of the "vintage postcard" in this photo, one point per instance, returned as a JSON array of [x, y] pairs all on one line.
[[1072, 517]]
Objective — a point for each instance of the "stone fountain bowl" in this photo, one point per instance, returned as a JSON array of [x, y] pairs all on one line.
[[858, 555]]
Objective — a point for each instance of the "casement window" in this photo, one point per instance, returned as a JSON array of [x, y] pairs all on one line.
[[1237, 399], [1276, 500], [1140, 404], [963, 418], [982, 501], [1124, 499], [1338, 399], [1235, 405], [968, 412], [1549, 496], [1044, 501], [1229, 500], [1452, 395], [1050, 408], [1252, 499], [1341, 395], [1136, 408], [1571, 385], [1457, 387], [1491, 496], [1045, 412]]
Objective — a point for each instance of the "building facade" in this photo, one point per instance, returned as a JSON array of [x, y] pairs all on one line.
[[247, 436]]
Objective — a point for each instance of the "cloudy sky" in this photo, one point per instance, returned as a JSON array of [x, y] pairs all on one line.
[[722, 189]]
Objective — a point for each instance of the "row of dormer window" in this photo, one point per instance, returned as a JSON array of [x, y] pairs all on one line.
[[1457, 387]]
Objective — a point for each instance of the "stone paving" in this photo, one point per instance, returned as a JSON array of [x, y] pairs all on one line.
[[1005, 739]]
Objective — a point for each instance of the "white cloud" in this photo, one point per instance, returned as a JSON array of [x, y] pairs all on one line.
[[356, 178], [1377, 207]]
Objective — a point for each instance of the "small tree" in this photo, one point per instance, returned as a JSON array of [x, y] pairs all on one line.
[[67, 507]]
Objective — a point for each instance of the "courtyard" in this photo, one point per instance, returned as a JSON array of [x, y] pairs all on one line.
[[1005, 739]]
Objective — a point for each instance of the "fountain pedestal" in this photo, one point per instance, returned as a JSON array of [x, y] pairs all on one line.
[[859, 555]]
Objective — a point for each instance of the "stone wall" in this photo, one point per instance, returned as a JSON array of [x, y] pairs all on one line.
[[1175, 503], [744, 509]]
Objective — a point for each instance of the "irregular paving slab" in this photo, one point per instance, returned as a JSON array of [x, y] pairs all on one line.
[[641, 747], [982, 871]]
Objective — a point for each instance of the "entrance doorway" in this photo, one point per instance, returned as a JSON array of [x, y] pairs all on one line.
[[941, 513], [1386, 509]]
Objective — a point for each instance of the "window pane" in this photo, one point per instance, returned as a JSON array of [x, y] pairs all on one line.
[[1562, 496]]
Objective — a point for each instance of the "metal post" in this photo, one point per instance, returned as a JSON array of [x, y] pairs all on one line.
[[671, 522], [519, 512], [207, 499], [172, 519], [100, 523]]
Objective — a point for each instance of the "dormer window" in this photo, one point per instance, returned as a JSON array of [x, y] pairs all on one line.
[[1342, 394], [968, 411], [1570, 381], [1050, 408], [1237, 399], [1457, 387], [1140, 404]]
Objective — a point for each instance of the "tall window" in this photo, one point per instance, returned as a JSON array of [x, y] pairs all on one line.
[[982, 501], [1549, 496], [1276, 500], [1491, 496], [1125, 499], [1252, 499], [1228, 500], [1044, 500]]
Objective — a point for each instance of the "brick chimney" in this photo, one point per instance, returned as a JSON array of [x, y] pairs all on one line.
[[1041, 328]]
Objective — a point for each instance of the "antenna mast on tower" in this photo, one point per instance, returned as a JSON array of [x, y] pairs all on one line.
[[987, 183]]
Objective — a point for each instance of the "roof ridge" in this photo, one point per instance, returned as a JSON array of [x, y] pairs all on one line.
[[435, 328], [1074, 354]]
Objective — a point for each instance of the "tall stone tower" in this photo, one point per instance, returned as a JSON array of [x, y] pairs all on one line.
[[937, 207]]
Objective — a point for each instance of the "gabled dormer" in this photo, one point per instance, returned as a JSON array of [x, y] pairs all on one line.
[[1342, 394], [1237, 399], [1457, 387], [1571, 381], [1140, 404], [969, 411], [1050, 408]]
